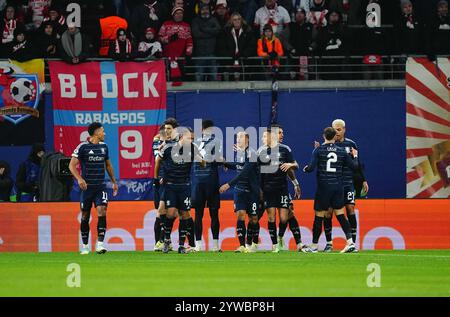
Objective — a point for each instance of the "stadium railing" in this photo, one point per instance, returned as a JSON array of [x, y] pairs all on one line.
[[348, 68]]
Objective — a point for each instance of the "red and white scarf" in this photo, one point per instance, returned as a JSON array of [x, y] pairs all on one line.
[[9, 28], [236, 38], [271, 14], [318, 19], [61, 20], [127, 46]]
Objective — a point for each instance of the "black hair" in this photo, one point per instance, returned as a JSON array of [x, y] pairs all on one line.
[[172, 122], [274, 126], [94, 126], [329, 133], [161, 127], [207, 123]]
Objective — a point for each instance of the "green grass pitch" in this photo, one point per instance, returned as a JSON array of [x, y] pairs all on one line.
[[403, 273]]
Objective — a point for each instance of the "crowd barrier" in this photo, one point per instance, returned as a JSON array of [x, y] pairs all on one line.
[[383, 224]]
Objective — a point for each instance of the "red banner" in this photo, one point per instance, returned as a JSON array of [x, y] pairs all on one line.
[[382, 224], [129, 99]]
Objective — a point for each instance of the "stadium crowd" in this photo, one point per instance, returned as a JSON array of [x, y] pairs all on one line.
[[236, 29]]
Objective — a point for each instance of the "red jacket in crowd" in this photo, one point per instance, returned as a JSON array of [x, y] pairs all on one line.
[[176, 38]]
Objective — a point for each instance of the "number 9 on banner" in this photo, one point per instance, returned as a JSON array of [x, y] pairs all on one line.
[[131, 140], [84, 136]]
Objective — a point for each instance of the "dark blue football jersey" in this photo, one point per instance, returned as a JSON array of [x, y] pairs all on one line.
[[210, 149], [92, 159], [347, 145], [156, 150], [272, 177], [177, 162], [246, 165], [330, 160]]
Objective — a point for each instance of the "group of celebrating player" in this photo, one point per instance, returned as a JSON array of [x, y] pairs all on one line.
[[188, 171]]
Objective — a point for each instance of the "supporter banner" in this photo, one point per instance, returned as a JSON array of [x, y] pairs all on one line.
[[128, 98], [21, 112], [428, 128], [383, 224]]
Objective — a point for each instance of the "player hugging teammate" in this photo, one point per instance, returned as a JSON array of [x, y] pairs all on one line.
[[354, 183], [177, 157], [330, 161]]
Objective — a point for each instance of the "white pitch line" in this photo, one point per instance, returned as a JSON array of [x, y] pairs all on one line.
[[249, 259], [401, 255]]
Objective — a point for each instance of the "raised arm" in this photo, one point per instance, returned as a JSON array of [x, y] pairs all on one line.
[[351, 160], [313, 163], [244, 173]]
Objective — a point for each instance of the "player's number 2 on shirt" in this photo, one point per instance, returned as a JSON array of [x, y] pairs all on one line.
[[332, 158]]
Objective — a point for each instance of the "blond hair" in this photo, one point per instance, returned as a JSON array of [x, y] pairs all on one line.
[[338, 122]]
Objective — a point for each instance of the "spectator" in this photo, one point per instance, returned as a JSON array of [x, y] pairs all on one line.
[[440, 30], [297, 40], [175, 35], [221, 13], [350, 10], [21, 49], [331, 42], [37, 10], [188, 7], [121, 49], [236, 41], [149, 46], [272, 14], [408, 31], [47, 41], [351, 15], [300, 4], [205, 29], [121, 8], [91, 15], [151, 13], [317, 16], [246, 8], [297, 37], [200, 3], [269, 47], [331, 38], [57, 20], [109, 26], [6, 183], [9, 24], [74, 47], [27, 177]]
